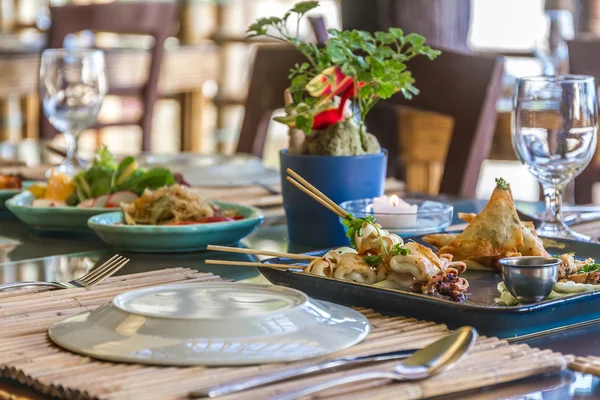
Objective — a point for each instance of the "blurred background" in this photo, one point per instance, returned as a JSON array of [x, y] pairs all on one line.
[[206, 67]]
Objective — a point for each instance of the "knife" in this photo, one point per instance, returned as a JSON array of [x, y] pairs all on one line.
[[294, 372]]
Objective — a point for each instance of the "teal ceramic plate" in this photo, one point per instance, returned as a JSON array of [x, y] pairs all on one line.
[[169, 239], [56, 219], [6, 194]]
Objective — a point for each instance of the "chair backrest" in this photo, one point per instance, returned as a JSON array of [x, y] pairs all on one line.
[[156, 19], [464, 87], [584, 59], [268, 81], [319, 28]]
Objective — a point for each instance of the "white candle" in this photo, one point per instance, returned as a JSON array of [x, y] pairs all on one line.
[[393, 212]]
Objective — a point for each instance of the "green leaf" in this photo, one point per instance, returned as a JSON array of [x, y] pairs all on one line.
[[589, 268], [373, 260], [385, 90], [385, 38], [333, 32], [126, 168], [152, 179], [336, 52], [304, 6], [397, 33], [104, 158], [84, 191], [349, 69], [415, 39], [384, 52], [502, 183], [399, 250], [99, 180], [305, 123]]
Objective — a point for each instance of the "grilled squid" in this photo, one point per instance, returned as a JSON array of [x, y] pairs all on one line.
[[352, 267], [323, 266], [372, 237], [421, 262]]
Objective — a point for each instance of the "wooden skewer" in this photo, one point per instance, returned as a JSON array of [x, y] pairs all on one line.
[[340, 211], [315, 197], [261, 252], [253, 264]]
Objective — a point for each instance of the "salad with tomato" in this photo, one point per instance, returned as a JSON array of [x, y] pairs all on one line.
[[175, 205]]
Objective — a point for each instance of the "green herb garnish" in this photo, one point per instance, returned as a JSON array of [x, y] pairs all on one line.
[[373, 260], [502, 183], [376, 60], [398, 250], [590, 268], [355, 225]]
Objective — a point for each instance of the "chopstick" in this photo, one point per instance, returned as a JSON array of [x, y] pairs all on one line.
[[253, 264], [261, 252], [315, 193]]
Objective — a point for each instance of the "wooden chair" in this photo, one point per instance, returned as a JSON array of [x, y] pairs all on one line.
[[584, 59], [268, 81], [319, 29], [145, 18], [465, 87]]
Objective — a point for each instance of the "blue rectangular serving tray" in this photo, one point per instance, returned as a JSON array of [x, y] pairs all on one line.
[[478, 310]]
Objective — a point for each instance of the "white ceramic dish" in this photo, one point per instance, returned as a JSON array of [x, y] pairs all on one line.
[[211, 324], [214, 170]]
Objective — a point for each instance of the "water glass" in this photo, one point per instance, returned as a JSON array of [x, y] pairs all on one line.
[[72, 88], [554, 133]]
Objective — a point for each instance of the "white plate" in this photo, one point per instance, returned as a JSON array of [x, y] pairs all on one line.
[[211, 324], [215, 170]]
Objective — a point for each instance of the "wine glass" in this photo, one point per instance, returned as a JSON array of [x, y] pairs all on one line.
[[554, 133], [72, 88]]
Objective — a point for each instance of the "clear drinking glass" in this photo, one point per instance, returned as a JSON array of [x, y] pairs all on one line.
[[72, 88], [554, 133]]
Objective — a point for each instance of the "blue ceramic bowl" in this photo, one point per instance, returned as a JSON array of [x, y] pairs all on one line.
[[175, 239], [431, 216], [54, 219]]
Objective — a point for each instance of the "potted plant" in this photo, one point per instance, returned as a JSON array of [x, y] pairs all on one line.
[[329, 98]]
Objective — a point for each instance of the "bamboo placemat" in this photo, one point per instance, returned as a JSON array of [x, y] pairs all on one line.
[[586, 365], [29, 357]]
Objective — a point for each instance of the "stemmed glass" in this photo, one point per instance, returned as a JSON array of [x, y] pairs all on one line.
[[72, 88], [554, 133]]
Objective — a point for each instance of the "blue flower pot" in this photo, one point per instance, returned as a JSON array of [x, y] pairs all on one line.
[[341, 178]]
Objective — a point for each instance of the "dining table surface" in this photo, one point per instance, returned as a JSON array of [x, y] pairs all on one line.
[[27, 255]]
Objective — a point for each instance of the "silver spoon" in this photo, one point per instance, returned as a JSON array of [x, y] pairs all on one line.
[[433, 359]]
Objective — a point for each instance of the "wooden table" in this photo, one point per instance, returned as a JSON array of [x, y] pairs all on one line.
[[184, 71], [38, 257]]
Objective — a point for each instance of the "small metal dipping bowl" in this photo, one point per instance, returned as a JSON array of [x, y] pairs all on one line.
[[529, 279]]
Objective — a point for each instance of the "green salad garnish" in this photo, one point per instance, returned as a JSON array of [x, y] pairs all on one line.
[[399, 250], [355, 225], [106, 176], [590, 268], [373, 259], [502, 183]]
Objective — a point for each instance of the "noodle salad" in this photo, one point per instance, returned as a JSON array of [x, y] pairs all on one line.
[[174, 205]]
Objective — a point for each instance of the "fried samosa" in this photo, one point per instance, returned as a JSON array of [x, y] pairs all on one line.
[[495, 233], [532, 244]]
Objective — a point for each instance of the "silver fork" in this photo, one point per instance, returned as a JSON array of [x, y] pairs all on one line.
[[92, 278]]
